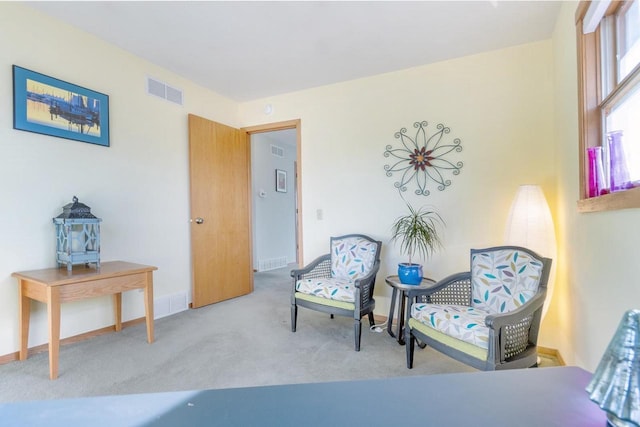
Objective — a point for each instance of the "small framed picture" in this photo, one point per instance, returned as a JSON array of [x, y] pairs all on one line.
[[281, 181], [49, 106]]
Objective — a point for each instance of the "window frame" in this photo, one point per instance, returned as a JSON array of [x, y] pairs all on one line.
[[590, 116]]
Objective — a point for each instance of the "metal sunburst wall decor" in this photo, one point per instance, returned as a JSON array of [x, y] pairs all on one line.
[[423, 158]]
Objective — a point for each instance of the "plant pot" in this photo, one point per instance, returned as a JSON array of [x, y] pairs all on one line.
[[410, 274]]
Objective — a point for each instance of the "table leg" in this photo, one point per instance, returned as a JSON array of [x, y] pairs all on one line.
[[392, 308], [53, 311], [148, 305], [401, 314], [24, 313], [117, 310]]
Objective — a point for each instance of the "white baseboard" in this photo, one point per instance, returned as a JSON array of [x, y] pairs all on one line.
[[272, 263]]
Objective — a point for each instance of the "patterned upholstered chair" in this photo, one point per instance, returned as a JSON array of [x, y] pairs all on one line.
[[340, 282], [487, 318]]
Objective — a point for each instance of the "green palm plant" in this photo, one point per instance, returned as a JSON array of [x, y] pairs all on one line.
[[417, 232]]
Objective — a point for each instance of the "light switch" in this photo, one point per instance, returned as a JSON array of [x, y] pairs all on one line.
[[319, 214]]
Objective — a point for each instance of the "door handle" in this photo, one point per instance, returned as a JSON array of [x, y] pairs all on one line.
[[199, 220]]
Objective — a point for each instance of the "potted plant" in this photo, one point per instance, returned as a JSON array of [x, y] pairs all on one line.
[[417, 233]]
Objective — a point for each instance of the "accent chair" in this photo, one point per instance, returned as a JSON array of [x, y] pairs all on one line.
[[340, 282], [488, 317]]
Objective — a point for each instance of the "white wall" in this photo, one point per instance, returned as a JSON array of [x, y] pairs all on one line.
[[274, 233], [598, 276], [499, 104], [138, 186]]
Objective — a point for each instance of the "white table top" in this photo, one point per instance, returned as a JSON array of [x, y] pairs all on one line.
[[394, 281]]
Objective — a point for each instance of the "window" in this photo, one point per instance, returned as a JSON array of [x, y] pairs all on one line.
[[609, 78]]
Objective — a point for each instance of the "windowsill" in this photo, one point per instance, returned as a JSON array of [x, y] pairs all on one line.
[[626, 199]]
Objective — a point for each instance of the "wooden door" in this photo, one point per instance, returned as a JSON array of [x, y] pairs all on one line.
[[219, 170]]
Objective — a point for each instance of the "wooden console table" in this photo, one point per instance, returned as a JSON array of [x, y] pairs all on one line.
[[54, 286]]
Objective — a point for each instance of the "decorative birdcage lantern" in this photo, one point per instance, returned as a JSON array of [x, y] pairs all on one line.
[[77, 235]]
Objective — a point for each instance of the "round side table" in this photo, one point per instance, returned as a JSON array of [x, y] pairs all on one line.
[[402, 306]]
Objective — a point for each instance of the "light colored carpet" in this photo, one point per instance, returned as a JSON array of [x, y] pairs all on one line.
[[242, 342]]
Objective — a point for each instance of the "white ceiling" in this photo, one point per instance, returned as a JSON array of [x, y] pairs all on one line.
[[252, 50]]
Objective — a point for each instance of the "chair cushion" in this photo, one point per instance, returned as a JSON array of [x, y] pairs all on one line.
[[352, 257], [461, 322], [503, 280], [463, 346], [350, 306], [329, 288]]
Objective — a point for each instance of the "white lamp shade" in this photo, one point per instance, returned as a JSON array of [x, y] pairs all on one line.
[[530, 225]]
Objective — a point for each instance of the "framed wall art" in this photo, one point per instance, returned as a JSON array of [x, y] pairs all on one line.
[[49, 106], [281, 181], [425, 158]]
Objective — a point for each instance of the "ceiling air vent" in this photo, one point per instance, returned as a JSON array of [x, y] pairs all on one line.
[[164, 91], [277, 151]]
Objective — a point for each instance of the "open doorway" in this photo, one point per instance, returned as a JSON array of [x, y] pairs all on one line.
[[275, 197]]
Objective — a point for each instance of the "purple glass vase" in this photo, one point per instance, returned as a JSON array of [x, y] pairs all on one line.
[[597, 186], [618, 172]]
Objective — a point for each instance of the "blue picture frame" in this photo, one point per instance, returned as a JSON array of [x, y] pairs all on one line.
[[50, 106]]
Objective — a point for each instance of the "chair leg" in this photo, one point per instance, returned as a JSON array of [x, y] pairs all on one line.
[[358, 333], [371, 321], [410, 346], [294, 316]]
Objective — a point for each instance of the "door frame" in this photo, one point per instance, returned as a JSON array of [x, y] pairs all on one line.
[[269, 127]]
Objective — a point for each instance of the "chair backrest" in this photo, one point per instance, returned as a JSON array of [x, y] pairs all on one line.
[[505, 277], [353, 256]]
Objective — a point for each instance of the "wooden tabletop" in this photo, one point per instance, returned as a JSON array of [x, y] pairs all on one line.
[[80, 273]]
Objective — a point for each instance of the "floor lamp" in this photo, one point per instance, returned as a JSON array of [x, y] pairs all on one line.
[[530, 225]]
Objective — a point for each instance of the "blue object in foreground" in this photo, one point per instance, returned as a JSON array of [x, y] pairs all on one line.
[[522, 393]]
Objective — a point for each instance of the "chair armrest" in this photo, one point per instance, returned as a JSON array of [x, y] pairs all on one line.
[[320, 264], [515, 334], [365, 285], [499, 320], [440, 285]]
